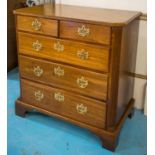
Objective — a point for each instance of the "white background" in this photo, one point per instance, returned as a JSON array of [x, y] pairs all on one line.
[[138, 5]]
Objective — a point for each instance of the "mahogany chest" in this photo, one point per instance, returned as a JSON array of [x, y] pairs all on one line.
[[76, 63]]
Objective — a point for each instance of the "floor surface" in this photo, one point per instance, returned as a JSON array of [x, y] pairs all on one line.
[[37, 134]]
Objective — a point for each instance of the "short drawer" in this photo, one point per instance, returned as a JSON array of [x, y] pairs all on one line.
[[73, 79], [66, 104], [37, 25], [89, 56], [85, 32]]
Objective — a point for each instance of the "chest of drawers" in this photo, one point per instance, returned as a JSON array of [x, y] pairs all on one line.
[[75, 64]]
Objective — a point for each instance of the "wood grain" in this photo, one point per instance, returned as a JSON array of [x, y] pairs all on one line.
[[123, 59], [127, 64], [114, 77], [97, 83], [48, 27], [98, 56], [98, 34], [96, 110]]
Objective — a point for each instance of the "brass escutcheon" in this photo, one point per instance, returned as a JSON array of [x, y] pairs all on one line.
[[82, 82], [59, 71], [82, 54], [81, 109], [83, 31], [58, 47], [59, 97], [38, 95], [36, 25], [38, 71], [37, 46]]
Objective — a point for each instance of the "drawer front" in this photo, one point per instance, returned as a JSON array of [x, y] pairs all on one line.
[[37, 25], [85, 32], [80, 54], [73, 79], [64, 103]]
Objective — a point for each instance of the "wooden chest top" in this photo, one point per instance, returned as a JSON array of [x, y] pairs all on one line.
[[97, 15]]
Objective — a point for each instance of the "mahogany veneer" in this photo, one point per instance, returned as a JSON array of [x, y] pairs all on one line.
[[97, 83], [48, 27], [74, 64], [98, 55]]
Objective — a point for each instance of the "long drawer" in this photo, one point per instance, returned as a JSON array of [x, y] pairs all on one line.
[[38, 25], [79, 108], [73, 79], [79, 54], [85, 32]]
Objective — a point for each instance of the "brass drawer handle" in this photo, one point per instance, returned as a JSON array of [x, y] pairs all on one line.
[[38, 71], [37, 46], [38, 95], [81, 109], [58, 47], [82, 82], [59, 97], [36, 25], [83, 31], [82, 54], [59, 71]]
